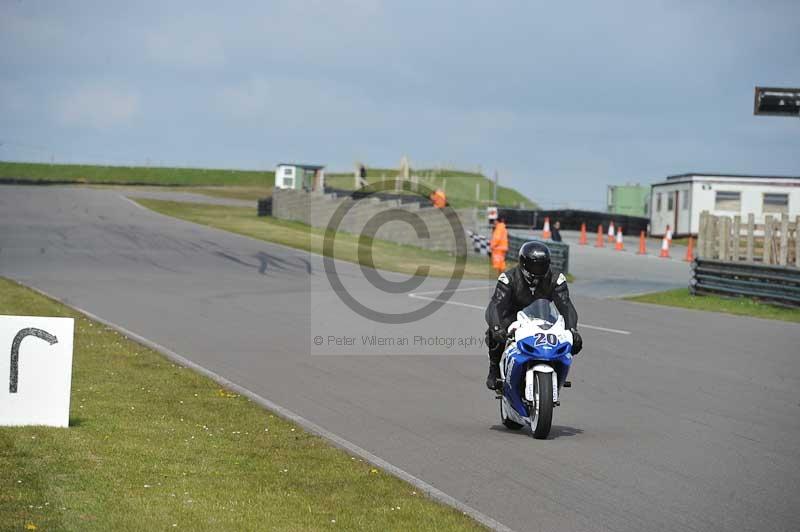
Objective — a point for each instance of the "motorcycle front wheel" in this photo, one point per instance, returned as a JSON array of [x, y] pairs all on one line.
[[542, 414]]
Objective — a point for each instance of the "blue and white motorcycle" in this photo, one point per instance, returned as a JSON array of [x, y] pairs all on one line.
[[534, 368]]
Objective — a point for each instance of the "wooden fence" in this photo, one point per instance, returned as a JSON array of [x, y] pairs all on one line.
[[732, 239]]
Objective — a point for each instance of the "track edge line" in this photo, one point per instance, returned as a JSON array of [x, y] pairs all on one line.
[[431, 491]]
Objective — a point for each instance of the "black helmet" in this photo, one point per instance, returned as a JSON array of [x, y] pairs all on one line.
[[534, 260]]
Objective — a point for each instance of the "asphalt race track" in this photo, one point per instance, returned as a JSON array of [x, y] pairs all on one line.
[[677, 420]]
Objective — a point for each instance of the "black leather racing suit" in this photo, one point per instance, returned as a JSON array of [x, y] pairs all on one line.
[[513, 294]]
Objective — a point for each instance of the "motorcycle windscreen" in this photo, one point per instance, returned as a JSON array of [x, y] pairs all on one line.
[[542, 309]]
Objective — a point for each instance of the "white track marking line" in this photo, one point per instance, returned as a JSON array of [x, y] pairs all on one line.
[[132, 202], [285, 413], [454, 290], [604, 329], [459, 304]]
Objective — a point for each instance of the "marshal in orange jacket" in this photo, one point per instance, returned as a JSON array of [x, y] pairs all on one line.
[[499, 246]]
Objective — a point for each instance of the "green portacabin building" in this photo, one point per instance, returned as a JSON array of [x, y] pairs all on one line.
[[631, 200]]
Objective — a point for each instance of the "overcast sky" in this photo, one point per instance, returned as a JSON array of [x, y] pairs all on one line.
[[562, 98]]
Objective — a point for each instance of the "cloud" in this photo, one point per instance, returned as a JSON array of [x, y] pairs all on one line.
[[97, 106]]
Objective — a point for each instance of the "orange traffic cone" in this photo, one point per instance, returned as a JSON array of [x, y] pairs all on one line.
[[546, 231], [619, 246], [600, 243], [611, 232], [689, 251], [664, 248], [583, 240], [642, 244]]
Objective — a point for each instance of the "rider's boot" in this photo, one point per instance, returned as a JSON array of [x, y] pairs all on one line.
[[494, 375]]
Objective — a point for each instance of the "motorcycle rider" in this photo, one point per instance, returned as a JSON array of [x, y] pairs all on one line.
[[531, 279]]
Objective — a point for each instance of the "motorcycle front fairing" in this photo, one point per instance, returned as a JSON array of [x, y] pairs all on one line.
[[536, 341]]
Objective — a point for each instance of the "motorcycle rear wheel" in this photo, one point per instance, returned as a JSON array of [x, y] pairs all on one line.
[[542, 415]]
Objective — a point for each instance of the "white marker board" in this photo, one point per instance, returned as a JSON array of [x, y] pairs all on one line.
[[35, 370]]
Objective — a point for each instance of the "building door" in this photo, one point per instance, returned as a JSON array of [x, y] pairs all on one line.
[[677, 207]]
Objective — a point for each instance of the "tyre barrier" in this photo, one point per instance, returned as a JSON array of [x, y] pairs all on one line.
[[265, 207], [384, 196], [774, 284]]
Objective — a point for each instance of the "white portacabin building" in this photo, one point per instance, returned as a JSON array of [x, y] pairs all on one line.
[[678, 201], [299, 176]]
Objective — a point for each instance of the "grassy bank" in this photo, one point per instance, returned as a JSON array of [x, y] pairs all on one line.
[[459, 186], [154, 446], [740, 306], [74, 173], [387, 255]]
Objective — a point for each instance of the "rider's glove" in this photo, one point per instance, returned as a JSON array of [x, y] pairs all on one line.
[[577, 341], [499, 334]]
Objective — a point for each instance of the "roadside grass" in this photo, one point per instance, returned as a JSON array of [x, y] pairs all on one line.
[[251, 193], [155, 446], [243, 193], [682, 241], [386, 255], [78, 173], [740, 306]]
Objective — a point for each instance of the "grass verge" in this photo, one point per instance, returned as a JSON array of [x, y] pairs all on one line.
[[251, 193], [154, 446], [386, 255], [140, 175], [740, 306]]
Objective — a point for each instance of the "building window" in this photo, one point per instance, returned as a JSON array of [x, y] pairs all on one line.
[[685, 200], [658, 202], [670, 202], [776, 203], [727, 200], [288, 171]]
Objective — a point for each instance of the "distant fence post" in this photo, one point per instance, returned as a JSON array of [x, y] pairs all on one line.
[[797, 242], [783, 253], [767, 254], [701, 235], [737, 231], [751, 229], [711, 229]]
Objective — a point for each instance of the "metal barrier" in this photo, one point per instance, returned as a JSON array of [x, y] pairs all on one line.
[[408, 197], [559, 251], [572, 219], [775, 284]]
